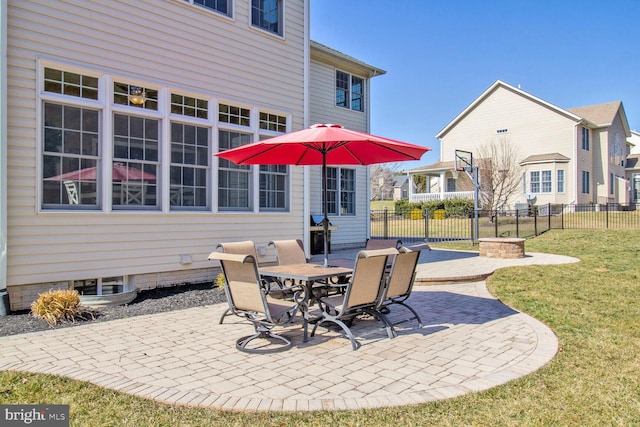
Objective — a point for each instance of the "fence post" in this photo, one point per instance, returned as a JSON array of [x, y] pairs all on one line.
[[549, 216], [561, 216], [606, 210], [535, 220], [517, 222], [425, 215], [495, 225], [385, 217]]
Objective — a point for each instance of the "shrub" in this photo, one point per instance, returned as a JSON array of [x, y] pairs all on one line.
[[57, 305], [220, 281]]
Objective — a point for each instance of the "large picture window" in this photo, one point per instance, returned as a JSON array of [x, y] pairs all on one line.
[[71, 156], [189, 165], [540, 182], [341, 191], [135, 161], [155, 151]]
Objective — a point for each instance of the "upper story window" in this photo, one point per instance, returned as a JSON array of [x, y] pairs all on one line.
[[585, 139], [349, 91], [267, 14], [220, 6]]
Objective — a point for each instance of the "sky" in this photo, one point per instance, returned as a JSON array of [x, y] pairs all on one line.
[[441, 55]]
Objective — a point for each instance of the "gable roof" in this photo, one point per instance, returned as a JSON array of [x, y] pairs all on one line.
[[603, 115], [497, 85], [545, 158], [329, 55]]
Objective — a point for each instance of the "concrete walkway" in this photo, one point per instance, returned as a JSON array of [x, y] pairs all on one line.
[[469, 342]]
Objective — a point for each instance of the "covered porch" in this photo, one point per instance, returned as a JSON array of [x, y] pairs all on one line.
[[439, 183]]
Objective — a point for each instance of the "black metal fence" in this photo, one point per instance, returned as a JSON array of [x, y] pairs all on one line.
[[432, 226]]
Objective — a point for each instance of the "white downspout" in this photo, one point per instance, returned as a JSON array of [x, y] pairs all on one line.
[[3, 145], [306, 178]]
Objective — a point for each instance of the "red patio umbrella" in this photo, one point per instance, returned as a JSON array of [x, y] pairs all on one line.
[[119, 172], [322, 145]]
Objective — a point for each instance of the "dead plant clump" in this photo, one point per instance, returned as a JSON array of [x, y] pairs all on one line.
[[57, 305]]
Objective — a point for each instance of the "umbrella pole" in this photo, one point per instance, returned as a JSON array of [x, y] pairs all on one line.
[[325, 221]]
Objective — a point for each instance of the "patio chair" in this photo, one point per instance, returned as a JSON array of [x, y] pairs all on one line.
[[373, 244], [247, 299], [246, 247], [398, 287], [361, 294]]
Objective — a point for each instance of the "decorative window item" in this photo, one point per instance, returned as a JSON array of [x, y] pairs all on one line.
[[135, 96]]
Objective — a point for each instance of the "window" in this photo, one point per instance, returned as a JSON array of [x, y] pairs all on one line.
[[267, 14], [585, 139], [560, 180], [612, 183], [234, 115], [342, 189], [540, 182], [586, 181], [135, 96], [220, 6], [273, 122], [189, 165], [451, 185], [135, 161], [189, 106], [546, 181], [534, 182], [500, 131], [153, 133], [273, 187], [349, 91], [71, 157], [234, 182]]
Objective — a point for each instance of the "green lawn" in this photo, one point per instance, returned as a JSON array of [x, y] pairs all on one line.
[[593, 381]]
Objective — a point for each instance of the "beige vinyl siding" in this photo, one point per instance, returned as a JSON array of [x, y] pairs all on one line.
[[352, 229], [169, 43], [504, 109]]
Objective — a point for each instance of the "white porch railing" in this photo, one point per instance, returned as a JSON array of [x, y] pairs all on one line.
[[430, 197]]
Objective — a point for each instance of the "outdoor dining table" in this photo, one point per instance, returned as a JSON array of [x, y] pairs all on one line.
[[309, 274]]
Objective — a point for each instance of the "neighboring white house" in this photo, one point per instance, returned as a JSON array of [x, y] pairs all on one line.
[[110, 114], [565, 155], [632, 166]]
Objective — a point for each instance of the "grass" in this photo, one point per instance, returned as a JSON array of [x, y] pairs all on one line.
[[593, 381]]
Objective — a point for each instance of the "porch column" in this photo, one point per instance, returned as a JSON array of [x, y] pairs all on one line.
[[410, 185], [443, 184]]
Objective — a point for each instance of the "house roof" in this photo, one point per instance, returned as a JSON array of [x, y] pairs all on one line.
[[497, 85], [327, 54], [433, 167], [600, 114], [545, 158]]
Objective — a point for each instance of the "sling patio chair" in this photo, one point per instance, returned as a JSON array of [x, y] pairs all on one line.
[[361, 294], [246, 247], [399, 285], [247, 298], [291, 252]]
